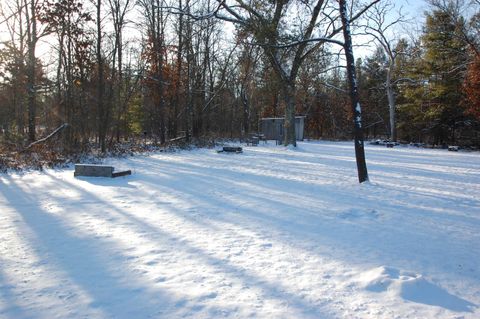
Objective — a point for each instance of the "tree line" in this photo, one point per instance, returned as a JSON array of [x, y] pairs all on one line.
[[118, 70]]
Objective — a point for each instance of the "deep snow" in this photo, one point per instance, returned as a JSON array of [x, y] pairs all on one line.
[[270, 233]]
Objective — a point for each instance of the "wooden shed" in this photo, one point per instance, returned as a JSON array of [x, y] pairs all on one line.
[[273, 127]]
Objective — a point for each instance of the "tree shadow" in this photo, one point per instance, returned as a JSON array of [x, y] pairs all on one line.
[[8, 295], [192, 183], [328, 226], [70, 262], [88, 262]]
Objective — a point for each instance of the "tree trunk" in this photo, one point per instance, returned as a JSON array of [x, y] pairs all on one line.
[[102, 119], [289, 124], [31, 70], [354, 96], [246, 110], [189, 82], [391, 104], [178, 79]]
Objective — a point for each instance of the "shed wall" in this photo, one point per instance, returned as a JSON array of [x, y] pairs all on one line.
[[273, 128]]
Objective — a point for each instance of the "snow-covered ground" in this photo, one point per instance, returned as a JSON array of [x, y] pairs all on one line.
[[270, 233]]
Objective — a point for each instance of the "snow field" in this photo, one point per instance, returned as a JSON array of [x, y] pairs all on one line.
[[270, 233]]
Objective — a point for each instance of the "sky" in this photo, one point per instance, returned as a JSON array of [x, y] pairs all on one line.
[[414, 10]]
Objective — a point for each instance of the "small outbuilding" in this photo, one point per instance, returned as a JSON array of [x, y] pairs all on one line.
[[273, 127]]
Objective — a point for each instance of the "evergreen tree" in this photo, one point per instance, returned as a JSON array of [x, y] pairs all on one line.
[[443, 69], [372, 88]]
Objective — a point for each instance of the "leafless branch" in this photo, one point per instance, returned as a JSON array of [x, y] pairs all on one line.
[[296, 43], [331, 86], [49, 136]]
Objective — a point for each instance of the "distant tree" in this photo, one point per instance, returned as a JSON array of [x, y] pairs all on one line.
[[66, 20], [248, 60], [332, 108], [12, 88], [380, 25], [103, 109], [20, 17], [32, 41], [155, 55], [472, 78], [371, 80], [472, 89], [444, 67], [287, 31], [179, 82], [118, 10], [467, 32]]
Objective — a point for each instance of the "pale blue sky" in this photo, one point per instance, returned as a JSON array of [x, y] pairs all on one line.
[[413, 9]]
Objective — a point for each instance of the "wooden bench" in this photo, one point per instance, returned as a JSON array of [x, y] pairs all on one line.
[[98, 171]]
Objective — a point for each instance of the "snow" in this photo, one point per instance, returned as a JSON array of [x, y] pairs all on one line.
[[269, 233]]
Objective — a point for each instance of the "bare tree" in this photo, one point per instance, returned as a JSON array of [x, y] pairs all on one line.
[[178, 81], [354, 96], [13, 21], [288, 31], [32, 40], [102, 107], [22, 24], [380, 25], [155, 53], [249, 59], [118, 12], [67, 20]]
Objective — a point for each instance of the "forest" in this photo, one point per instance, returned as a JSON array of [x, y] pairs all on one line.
[[103, 75]]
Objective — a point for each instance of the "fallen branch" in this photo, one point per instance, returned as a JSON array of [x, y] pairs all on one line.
[[176, 139], [375, 123], [49, 136]]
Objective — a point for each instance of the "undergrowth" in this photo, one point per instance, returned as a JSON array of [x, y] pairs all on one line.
[[13, 157]]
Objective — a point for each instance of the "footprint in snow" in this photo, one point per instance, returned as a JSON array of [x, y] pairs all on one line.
[[355, 214], [151, 263], [211, 295], [160, 279]]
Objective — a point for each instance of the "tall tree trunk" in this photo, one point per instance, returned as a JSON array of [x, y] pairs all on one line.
[[158, 46], [391, 104], [102, 119], [289, 124], [178, 77], [118, 10], [31, 69], [354, 96], [287, 84], [246, 110], [68, 100], [189, 103]]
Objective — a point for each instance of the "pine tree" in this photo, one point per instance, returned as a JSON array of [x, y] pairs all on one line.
[[443, 69]]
